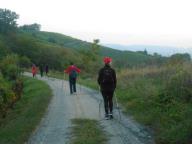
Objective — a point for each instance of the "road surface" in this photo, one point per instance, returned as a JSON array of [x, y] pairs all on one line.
[[55, 126]]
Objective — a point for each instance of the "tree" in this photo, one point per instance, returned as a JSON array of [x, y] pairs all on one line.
[[31, 28], [8, 21], [95, 48], [179, 58], [145, 52]]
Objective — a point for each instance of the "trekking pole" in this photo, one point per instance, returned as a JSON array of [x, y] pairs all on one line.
[[63, 80], [100, 104], [62, 89], [117, 106], [80, 83], [65, 88]]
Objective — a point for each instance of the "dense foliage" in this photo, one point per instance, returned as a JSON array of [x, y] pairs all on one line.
[[7, 21], [11, 84]]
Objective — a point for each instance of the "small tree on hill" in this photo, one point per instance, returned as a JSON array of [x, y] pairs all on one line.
[[31, 28]]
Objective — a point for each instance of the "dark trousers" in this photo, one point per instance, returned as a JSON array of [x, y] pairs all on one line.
[[41, 73], [72, 85], [108, 101]]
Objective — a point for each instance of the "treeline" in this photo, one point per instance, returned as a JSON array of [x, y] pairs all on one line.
[[25, 42]]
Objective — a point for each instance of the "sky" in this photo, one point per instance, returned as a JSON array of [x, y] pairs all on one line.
[[125, 22]]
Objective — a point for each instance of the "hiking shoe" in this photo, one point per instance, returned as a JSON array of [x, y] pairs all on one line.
[[110, 116], [106, 117]]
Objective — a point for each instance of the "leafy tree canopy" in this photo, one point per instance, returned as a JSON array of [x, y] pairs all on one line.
[[179, 58], [7, 20], [31, 28]]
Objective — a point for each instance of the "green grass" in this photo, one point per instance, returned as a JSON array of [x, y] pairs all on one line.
[[27, 113], [86, 131], [156, 101]]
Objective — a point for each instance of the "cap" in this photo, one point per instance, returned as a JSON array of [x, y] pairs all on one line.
[[107, 60]]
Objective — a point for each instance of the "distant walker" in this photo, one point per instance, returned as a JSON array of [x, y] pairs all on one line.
[[73, 71]]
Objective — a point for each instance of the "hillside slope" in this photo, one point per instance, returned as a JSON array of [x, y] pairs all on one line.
[[128, 58]]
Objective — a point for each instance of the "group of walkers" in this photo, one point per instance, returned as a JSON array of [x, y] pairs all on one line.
[[42, 69], [106, 81]]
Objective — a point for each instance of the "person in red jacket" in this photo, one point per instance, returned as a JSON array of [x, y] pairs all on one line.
[[72, 70], [34, 70]]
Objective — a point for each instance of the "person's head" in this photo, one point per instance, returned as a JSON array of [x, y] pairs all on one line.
[[71, 63], [107, 60]]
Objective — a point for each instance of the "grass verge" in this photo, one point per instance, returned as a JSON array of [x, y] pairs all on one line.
[[86, 131], [27, 113]]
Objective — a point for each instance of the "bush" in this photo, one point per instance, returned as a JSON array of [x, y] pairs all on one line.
[[11, 84], [24, 62], [178, 86], [7, 96], [9, 67]]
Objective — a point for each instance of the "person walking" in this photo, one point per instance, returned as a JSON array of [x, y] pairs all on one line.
[[46, 69], [34, 70], [72, 70], [107, 82], [41, 70]]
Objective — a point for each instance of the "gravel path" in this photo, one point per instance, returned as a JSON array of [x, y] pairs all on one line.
[[55, 126]]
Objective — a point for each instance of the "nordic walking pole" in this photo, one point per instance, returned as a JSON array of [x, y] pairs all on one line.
[[117, 106], [100, 104], [80, 83], [63, 79], [65, 89]]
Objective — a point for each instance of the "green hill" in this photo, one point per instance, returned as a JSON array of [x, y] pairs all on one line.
[[58, 50], [123, 58]]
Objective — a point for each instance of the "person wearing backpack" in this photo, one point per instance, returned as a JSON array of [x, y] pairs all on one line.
[[107, 82], [73, 71], [46, 69], [41, 70]]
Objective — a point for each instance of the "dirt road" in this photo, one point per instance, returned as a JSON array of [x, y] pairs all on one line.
[[55, 126]]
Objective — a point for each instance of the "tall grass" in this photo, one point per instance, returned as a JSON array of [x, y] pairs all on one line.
[[160, 98]]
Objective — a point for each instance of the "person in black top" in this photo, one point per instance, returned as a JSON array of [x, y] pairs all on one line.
[[41, 70], [46, 69], [107, 82]]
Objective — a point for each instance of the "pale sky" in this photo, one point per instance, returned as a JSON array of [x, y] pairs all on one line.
[[127, 22]]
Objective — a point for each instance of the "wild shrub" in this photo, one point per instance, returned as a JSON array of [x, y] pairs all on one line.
[[7, 96], [178, 86], [9, 67], [11, 84]]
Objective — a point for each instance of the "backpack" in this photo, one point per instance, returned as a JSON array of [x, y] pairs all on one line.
[[73, 74], [107, 76]]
